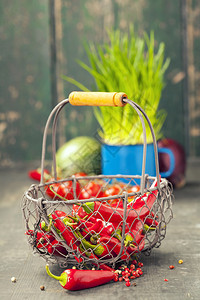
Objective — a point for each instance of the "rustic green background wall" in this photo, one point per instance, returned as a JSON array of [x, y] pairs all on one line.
[[25, 66]]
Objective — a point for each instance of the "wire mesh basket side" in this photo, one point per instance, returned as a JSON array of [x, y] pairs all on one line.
[[117, 233]]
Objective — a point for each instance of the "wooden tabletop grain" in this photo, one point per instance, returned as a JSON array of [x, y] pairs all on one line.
[[181, 242]]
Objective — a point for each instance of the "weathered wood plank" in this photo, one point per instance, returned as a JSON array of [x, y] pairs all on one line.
[[182, 242]]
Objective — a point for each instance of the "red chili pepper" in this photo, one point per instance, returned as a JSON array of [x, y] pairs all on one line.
[[108, 229], [99, 249], [66, 234], [42, 239], [113, 190], [60, 213], [78, 210], [36, 174], [56, 248], [73, 279], [62, 190], [54, 188], [90, 190], [132, 249], [151, 222], [133, 238], [114, 246], [109, 214], [91, 255]]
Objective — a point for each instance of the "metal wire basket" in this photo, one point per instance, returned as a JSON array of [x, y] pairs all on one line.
[[65, 228]]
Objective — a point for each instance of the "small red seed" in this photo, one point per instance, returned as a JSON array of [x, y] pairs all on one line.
[[134, 283], [134, 273], [134, 262], [126, 279], [132, 267], [128, 283], [123, 273], [140, 264], [126, 269], [171, 267]]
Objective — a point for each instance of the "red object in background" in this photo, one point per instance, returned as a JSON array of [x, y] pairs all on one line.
[[36, 174], [178, 176]]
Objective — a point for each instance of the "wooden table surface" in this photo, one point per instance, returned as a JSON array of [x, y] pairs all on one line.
[[182, 242]]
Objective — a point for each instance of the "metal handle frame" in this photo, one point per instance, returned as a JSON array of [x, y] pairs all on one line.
[[141, 113]]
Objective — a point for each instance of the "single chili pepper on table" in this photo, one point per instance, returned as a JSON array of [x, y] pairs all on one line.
[[73, 279]]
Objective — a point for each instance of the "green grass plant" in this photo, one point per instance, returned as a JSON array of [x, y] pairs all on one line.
[[130, 64]]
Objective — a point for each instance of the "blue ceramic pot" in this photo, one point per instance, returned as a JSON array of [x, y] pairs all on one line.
[[127, 160]]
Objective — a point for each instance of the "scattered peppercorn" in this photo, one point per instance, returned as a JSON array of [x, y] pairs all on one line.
[[165, 279], [171, 267], [180, 261], [128, 283], [42, 287], [134, 283], [140, 264], [13, 279]]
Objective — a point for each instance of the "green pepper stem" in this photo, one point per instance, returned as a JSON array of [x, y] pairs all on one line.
[[52, 190], [98, 248], [62, 278], [88, 207]]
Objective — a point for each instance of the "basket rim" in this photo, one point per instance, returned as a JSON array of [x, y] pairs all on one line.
[[163, 183]]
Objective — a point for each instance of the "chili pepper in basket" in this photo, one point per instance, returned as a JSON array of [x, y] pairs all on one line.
[[100, 249], [61, 190], [90, 190], [101, 227], [133, 249], [74, 279], [114, 247], [67, 234], [151, 222], [78, 210], [92, 256], [51, 187], [56, 248], [106, 212], [42, 239], [139, 207], [64, 190]]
